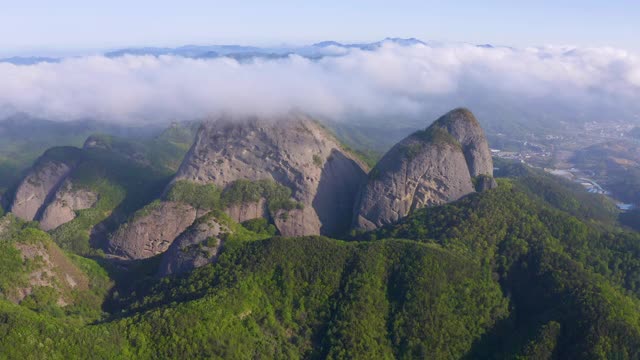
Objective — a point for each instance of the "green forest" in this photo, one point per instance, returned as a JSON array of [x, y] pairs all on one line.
[[529, 270]]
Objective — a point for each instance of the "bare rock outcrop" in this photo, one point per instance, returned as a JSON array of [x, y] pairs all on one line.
[[430, 167], [62, 208], [485, 182], [42, 181], [247, 211], [294, 151], [151, 230], [465, 128], [197, 246]]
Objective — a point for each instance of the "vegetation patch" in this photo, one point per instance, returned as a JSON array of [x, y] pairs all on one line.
[[317, 160], [260, 226], [200, 196], [79, 282], [437, 136], [75, 234], [209, 197]]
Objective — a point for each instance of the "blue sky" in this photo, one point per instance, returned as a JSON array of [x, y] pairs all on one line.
[[29, 26]]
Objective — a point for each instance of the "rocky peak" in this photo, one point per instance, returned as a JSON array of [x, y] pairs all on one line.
[[198, 245], [430, 167], [42, 181], [294, 151], [463, 126], [151, 230]]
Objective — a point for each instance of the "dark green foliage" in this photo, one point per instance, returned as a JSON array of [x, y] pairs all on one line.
[[553, 265], [43, 299], [23, 140], [74, 235], [559, 193], [62, 154], [277, 196], [315, 297], [208, 196], [11, 273], [545, 343], [317, 160], [527, 270], [260, 226], [125, 172], [123, 186], [200, 196], [436, 136], [15, 273]]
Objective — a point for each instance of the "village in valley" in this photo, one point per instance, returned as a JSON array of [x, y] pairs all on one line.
[[557, 153]]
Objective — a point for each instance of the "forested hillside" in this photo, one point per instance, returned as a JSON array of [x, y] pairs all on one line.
[[514, 272]]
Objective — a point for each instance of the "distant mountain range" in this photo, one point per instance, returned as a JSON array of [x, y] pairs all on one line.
[[29, 60], [240, 52]]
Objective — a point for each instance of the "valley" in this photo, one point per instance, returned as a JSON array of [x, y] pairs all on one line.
[[601, 156]]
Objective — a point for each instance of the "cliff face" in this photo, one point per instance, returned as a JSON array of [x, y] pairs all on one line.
[[195, 247], [151, 230], [465, 128], [428, 168], [42, 181], [65, 202], [295, 152], [248, 211]]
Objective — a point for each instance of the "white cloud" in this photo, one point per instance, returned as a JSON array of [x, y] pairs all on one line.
[[392, 80]]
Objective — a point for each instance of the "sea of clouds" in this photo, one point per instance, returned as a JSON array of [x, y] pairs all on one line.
[[389, 80]]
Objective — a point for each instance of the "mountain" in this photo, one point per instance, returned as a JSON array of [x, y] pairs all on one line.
[[513, 272], [28, 60], [24, 138], [244, 53], [196, 246], [81, 193], [296, 152], [238, 52], [199, 52], [37, 274], [327, 44], [372, 45], [430, 167], [289, 170]]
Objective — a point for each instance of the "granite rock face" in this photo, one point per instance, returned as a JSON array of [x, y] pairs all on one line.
[[428, 168], [197, 246], [465, 128], [42, 181], [151, 230], [248, 211], [294, 151], [485, 183], [66, 201]]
